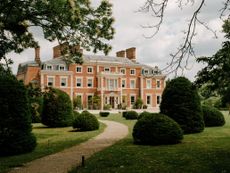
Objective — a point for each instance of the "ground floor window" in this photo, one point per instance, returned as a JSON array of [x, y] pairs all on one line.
[[132, 100], [158, 100], [148, 100]]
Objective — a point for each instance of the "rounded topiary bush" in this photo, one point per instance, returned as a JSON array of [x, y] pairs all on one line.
[[57, 109], [15, 117], [104, 114], [145, 113], [212, 116], [124, 113], [181, 102], [157, 129], [131, 115], [85, 122]]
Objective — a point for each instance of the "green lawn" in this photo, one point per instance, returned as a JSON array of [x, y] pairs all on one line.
[[206, 152], [50, 140]]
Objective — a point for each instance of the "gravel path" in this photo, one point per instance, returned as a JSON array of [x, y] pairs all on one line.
[[63, 161]]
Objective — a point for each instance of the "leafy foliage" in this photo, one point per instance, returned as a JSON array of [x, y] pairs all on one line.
[[131, 115], [181, 102], [15, 118], [57, 109], [69, 21], [212, 116], [104, 114], [157, 129], [138, 104], [77, 103], [85, 122], [143, 114]]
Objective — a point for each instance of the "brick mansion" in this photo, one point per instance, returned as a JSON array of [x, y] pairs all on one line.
[[116, 80]]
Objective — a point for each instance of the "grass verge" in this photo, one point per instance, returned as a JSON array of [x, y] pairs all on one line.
[[207, 152], [50, 140]]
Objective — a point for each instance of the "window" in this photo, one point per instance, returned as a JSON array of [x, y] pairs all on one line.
[[111, 84], [148, 83], [79, 82], [123, 71], [107, 69], [61, 67], [49, 67], [158, 100], [146, 71], [148, 100], [50, 81], [132, 71], [90, 83], [158, 83], [63, 82], [78, 69], [123, 84], [132, 84], [132, 100], [90, 69]]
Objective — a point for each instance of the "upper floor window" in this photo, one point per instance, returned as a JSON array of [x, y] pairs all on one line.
[[158, 83], [107, 69], [61, 67], [111, 84], [132, 71], [49, 67], [123, 71], [90, 69], [79, 82], [123, 83], [63, 82], [78, 69], [132, 84], [90, 82], [148, 83], [50, 81]]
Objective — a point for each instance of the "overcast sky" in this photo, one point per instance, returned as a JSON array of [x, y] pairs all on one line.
[[154, 51]]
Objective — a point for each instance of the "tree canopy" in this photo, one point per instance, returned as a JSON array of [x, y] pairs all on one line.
[[74, 22], [215, 75]]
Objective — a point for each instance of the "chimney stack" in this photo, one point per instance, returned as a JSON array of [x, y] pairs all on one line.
[[131, 54], [37, 55], [121, 53]]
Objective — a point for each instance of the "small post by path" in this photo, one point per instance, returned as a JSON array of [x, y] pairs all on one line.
[[83, 161]]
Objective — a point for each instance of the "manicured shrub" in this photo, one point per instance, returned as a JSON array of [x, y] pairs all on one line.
[[181, 102], [138, 104], [124, 113], [212, 116], [131, 115], [157, 129], [85, 122], [15, 117], [145, 113], [57, 109], [104, 114]]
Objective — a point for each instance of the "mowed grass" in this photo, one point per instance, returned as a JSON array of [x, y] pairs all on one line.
[[206, 152], [50, 140]]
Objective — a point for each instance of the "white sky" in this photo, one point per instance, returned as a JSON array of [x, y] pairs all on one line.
[[154, 51]]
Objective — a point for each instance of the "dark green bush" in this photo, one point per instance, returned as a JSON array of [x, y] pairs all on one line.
[[57, 109], [131, 115], [145, 113], [104, 114], [157, 129], [85, 122], [212, 116], [15, 117], [124, 113], [181, 102]]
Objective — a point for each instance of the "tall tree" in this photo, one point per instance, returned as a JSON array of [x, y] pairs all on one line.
[[217, 70], [158, 8], [74, 22]]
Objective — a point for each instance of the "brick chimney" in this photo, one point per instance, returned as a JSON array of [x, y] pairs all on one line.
[[57, 49], [121, 53], [131, 54], [37, 55]]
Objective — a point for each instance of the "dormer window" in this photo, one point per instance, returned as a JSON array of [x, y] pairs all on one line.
[[49, 67], [107, 69], [146, 71], [61, 67]]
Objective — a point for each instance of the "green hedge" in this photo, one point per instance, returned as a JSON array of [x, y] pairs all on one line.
[[104, 114], [145, 113], [131, 115], [157, 129]]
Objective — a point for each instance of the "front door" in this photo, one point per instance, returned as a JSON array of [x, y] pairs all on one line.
[[111, 101]]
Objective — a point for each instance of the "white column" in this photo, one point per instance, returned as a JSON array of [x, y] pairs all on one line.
[[71, 86], [102, 93], [142, 90]]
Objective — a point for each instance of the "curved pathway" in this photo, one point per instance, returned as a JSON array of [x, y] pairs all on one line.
[[65, 160]]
